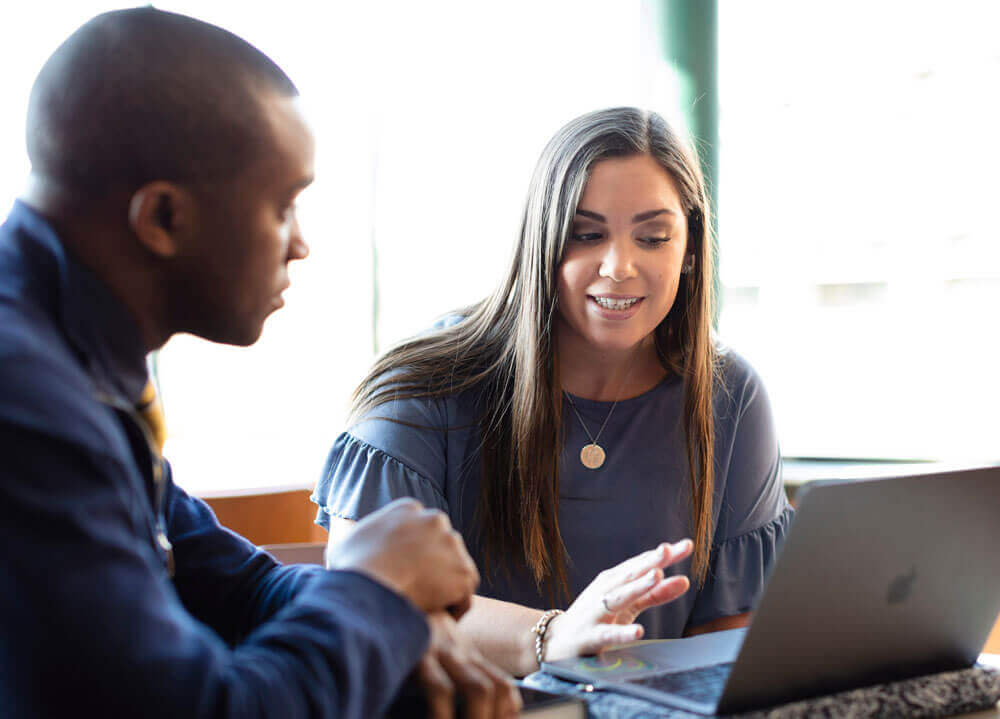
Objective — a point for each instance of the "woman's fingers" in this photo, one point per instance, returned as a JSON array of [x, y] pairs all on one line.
[[666, 590], [634, 567], [603, 636], [678, 551], [604, 613], [661, 556], [640, 577], [622, 598]]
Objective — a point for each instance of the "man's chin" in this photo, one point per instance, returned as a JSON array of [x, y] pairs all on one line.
[[249, 337], [234, 335]]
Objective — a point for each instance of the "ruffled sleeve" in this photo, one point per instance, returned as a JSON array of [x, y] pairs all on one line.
[[359, 479], [754, 514], [738, 570]]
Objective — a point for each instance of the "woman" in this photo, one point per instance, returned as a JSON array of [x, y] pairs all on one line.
[[581, 414]]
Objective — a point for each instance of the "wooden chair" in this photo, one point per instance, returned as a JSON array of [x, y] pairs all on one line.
[[297, 552]]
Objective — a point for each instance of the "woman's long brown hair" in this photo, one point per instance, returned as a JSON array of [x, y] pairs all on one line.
[[504, 350]]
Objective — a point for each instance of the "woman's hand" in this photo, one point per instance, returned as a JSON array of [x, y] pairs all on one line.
[[604, 613]]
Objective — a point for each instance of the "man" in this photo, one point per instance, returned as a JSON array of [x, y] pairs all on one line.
[[166, 156]]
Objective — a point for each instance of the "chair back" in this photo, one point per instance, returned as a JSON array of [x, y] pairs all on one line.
[[297, 553]]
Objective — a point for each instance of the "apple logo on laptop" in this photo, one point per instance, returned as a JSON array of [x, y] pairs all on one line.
[[901, 586]]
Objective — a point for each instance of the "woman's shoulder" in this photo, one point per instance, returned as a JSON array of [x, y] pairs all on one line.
[[733, 366], [738, 381], [404, 405]]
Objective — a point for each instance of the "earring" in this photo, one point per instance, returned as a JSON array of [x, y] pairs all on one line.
[[688, 265]]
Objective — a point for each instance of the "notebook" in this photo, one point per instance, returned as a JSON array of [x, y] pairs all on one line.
[[878, 580]]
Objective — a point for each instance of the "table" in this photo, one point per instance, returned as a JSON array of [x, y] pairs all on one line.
[[610, 705], [992, 660]]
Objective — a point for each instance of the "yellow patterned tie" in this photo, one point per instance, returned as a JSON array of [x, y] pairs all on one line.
[[151, 410]]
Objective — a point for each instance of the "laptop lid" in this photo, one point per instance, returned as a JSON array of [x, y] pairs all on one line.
[[878, 580]]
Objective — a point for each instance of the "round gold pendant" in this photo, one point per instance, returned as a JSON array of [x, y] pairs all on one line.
[[592, 456]]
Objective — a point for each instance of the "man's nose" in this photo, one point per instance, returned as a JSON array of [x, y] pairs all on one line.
[[297, 247]]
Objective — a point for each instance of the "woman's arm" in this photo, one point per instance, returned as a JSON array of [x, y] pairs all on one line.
[[603, 615], [500, 630], [339, 528]]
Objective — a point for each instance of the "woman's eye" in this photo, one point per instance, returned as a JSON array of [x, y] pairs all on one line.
[[654, 241], [585, 236]]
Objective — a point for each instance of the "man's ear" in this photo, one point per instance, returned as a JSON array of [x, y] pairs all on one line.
[[160, 213]]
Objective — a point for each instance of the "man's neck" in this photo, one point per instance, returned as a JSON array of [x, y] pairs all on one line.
[[88, 230]]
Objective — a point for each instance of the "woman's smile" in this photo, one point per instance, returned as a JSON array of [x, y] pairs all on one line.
[[615, 307]]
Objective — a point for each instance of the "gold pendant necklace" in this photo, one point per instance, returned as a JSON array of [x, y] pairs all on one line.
[[592, 455]]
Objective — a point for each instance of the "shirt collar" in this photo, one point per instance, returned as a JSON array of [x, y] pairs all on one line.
[[97, 324]]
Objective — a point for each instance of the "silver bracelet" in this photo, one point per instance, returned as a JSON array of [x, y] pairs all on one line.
[[539, 630]]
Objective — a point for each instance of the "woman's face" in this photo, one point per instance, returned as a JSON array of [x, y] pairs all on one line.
[[622, 261]]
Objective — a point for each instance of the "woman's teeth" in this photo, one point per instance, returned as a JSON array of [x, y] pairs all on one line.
[[609, 303]]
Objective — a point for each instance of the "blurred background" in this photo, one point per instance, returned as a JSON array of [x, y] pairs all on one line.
[[853, 149]]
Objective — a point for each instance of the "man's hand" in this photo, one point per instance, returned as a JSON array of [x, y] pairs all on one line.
[[415, 552], [453, 669]]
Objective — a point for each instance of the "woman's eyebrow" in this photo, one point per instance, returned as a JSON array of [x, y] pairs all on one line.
[[650, 214], [641, 217], [592, 215]]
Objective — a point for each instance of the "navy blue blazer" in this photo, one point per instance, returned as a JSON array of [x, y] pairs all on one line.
[[93, 623]]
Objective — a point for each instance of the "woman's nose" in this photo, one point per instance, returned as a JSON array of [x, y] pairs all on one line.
[[617, 263]]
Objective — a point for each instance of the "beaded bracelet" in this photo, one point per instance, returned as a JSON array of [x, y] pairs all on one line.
[[542, 626]]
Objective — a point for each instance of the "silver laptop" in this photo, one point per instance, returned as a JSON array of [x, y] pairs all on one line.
[[878, 580]]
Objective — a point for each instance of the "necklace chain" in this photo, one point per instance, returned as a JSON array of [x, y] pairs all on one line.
[[597, 461], [592, 438]]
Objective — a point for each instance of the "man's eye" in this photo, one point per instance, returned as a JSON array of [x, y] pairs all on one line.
[[585, 236]]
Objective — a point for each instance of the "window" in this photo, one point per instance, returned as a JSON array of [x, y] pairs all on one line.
[[860, 253], [860, 246], [429, 118]]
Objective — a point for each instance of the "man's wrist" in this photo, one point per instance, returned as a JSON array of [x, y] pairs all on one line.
[[378, 578]]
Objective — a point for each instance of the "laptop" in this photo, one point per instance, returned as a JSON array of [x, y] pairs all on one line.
[[878, 580]]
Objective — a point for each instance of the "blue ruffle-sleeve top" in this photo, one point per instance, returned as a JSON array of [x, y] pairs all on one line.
[[637, 499]]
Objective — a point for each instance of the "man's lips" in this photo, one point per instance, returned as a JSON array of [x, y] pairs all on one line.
[[279, 301]]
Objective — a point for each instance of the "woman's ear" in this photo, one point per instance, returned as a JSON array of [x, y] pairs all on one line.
[[159, 214]]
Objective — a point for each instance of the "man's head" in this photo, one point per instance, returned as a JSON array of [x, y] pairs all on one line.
[[184, 143]]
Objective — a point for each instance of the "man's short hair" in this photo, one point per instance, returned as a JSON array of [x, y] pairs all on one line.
[[140, 95]]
